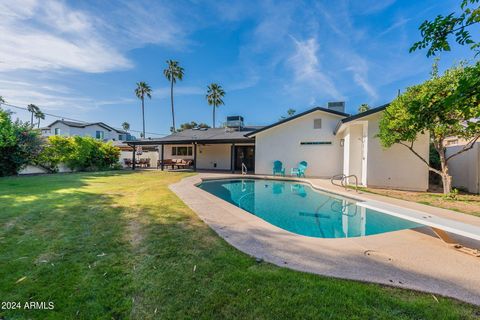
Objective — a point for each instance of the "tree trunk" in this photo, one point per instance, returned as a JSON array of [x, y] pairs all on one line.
[[38, 124], [446, 178], [171, 99], [143, 117], [447, 183], [31, 121], [213, 125]]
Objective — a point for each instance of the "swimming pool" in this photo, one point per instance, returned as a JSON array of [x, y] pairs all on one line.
[[298, 208]]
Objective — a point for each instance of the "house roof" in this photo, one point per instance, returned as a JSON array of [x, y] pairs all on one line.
[[202, 135], [360, 115], [366, 113], [342, 114], [85, 124]]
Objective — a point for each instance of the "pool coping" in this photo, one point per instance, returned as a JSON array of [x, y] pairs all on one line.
[[405, 258], [414, 215]]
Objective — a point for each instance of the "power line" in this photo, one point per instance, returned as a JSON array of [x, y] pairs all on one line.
[[76, 120]]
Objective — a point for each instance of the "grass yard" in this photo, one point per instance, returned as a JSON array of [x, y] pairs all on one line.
[[120, 245], [464, 202]]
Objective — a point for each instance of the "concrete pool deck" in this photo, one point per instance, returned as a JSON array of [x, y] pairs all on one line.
[[413, 259]]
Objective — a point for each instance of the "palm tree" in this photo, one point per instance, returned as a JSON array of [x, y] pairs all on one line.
[[214, 97], [172, 73], [32, 109], [126, 126], [2, 100], [363, 107], [39, 115], [142, 90]]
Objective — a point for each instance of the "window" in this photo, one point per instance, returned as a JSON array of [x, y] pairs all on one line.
[[317, 124], [120, 137], [99, 135], [182, 151], [57, 131]]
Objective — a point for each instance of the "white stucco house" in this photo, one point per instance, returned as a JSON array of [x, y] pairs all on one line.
[[97, 130], [329, 140]]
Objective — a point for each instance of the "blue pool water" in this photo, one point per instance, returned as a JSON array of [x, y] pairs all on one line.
[[299, 209]]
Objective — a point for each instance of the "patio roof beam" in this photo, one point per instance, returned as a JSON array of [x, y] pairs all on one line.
[[194, 156], [133, 157], [232, 158], [162, 154]]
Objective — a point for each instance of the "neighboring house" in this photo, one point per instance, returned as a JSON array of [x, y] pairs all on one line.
[[97, 130], [331, 141], [464, 168]]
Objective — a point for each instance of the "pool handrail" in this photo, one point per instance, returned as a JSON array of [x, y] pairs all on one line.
[[343, 180]]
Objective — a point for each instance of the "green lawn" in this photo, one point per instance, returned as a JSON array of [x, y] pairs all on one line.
[[120, 245]]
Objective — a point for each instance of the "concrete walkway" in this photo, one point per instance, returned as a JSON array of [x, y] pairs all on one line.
[[413, 259]]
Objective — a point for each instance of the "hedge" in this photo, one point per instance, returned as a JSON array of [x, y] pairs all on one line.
[[78, 154]]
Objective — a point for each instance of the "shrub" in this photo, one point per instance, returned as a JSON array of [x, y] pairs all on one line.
[[56, 150], [78, 153], [19, 144]]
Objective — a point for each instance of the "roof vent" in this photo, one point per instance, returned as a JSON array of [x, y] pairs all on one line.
[[338, 106], [234, 122]]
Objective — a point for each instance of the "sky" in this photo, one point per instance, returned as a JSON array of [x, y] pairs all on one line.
[[82, 59]]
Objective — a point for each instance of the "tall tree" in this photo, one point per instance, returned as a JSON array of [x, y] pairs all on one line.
[[435, 33], [39, 115], [172, 73], [143, 90], [32, 109], [126, 126], [443, 106], [214, 96], [363, 107]]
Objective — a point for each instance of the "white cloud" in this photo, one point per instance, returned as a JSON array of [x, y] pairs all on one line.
[[400, 22], [307, 70], [359, 68], [49, 36], [53, 98], [44, 42], [373, 6]]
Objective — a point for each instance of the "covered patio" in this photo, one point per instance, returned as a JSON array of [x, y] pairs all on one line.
[[213, 149]]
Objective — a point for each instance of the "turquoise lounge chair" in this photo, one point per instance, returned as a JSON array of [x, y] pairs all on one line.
[[300, 171], [278, 168]]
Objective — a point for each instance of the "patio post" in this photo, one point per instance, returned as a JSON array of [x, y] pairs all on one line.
[[161, 157], [133, 157], [232, 160], [194, 156]]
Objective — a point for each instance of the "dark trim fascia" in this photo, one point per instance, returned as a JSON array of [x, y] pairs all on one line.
[[359, 115]]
